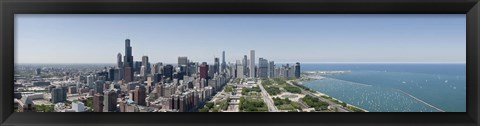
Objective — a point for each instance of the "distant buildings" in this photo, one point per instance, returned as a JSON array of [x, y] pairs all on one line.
[[38, 71], [40, 83], [216, 65], [297, 70], [145, 66], [204, 70], [271, 69], [252, 64], [224, 64], [119, 60], [239, 71], [168, 72], [262, 68], [245, 65], [182, 61], [90, 81]]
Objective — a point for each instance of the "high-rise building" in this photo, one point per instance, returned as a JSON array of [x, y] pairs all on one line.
[[252, 63], [224, 64], [117, 74], [140, 95], [119, 60], [128, 62], [143, 71], [245, 63], [168, 71], [297, 70], [59, 94], [110, 101], [111, 74], [128, 77], [211, 71], [99, 86], [128, 58], [262, 68], [271, 69], [146, 64], [136, 66], [98, 102], [182, 61], [239, 71], [90, 81], [157, 68], [204, 70], [216, 65]]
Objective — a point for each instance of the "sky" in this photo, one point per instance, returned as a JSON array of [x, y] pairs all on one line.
[[311, 38]]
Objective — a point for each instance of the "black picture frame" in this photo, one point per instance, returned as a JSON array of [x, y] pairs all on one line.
[[8, 8]]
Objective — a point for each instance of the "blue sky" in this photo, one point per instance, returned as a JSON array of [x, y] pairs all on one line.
[[76, 38]]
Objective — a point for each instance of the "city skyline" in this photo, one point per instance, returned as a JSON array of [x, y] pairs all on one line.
[[206, 36]]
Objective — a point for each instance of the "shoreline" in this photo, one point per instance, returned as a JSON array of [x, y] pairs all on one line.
[[300, 82]]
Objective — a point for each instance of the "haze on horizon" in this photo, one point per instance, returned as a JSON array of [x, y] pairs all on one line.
[[86, 38]]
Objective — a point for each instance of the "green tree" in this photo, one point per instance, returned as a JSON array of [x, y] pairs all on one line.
[[204, 110], [209, 105]]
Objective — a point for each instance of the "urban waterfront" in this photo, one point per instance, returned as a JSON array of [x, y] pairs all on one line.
[[239, 63], [221, 86]]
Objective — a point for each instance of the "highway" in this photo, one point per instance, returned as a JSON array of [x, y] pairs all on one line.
[[333, 104], [266, 97]]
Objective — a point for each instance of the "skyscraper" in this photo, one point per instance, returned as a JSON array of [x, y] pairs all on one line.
[[204, 70], [119, 60], [128, 77], [156, 68], [128, 58], [271, 69], [239, 71], [252, 63], [297, 70], [140, 95], [98, 102], [128, 62], [262, 68], [146, 64], [168, 71], [244, 63], [59, 94], [182, 61], [143, 71], [224, 64], [110, 101], [90, 81], [216, 65]]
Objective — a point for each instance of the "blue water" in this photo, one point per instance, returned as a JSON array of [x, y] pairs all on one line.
[[395, 87]]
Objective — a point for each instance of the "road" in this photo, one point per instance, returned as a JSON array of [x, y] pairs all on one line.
[[333, 104], [266, 97]]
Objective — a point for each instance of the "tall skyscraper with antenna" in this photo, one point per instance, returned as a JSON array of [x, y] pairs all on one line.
[[128, 62]]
